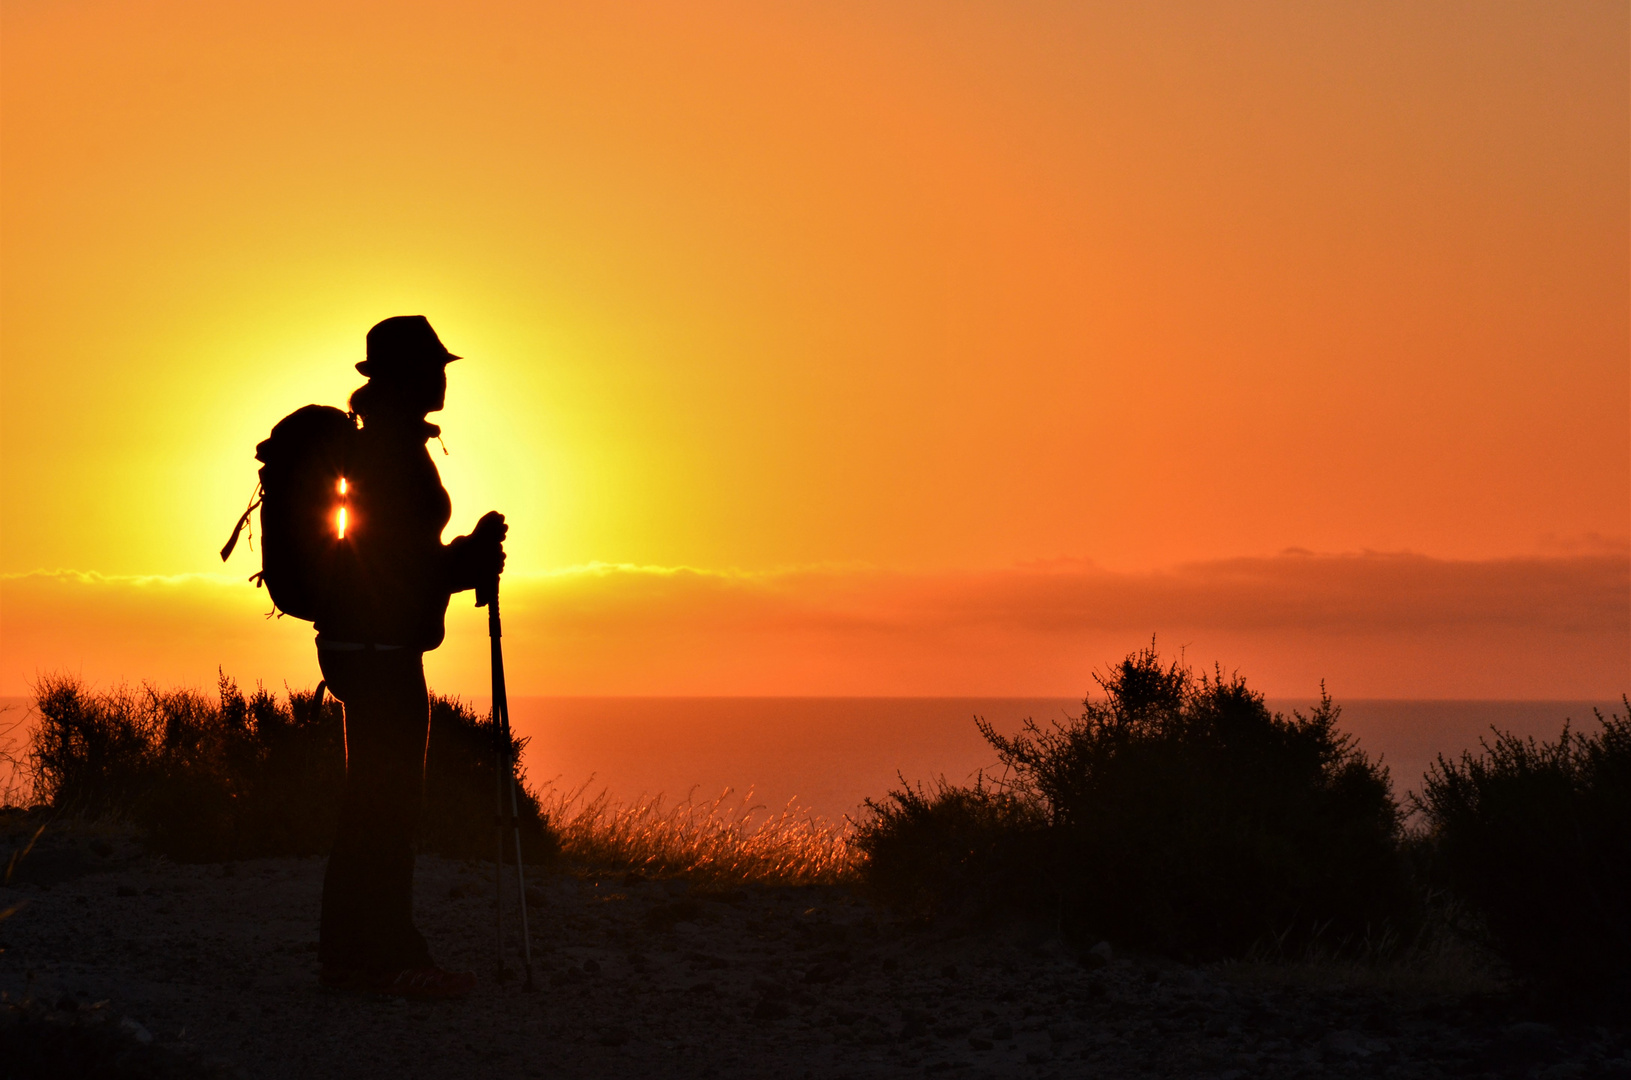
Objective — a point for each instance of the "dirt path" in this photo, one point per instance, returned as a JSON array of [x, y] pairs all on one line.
[[187, 970]]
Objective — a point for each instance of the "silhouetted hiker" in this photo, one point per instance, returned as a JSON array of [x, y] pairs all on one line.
[[384, 611]]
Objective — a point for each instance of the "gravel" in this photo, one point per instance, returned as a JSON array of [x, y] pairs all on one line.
[[146, 968]]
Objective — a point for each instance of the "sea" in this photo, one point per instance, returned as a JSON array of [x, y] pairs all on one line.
[[826, 756]]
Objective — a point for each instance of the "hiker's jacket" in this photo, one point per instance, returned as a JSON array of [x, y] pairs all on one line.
[[395, 588]]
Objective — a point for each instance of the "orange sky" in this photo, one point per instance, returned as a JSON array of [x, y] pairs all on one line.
[[865, 309]]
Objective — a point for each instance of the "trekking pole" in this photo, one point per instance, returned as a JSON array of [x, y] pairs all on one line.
[[488, 597]]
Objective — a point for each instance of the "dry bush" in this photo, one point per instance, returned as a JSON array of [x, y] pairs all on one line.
[[1536, 838], [241, 776], [1441, 959], [1443, 967], [950, 849], [724, 842], [16, 778], [1177, 813]]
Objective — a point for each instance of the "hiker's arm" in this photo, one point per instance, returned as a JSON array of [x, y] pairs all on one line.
[[478, 558]]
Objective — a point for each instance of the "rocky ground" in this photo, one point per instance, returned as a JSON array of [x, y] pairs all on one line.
[[117, 963]]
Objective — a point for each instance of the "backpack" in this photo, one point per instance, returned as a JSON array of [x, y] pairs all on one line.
[[302, 501]]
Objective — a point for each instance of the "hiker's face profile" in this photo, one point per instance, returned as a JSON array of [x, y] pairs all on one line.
[[436, 390], [424, 388]]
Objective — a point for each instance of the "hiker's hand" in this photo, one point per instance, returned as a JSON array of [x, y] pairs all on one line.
[[488, 536], [478, 559]]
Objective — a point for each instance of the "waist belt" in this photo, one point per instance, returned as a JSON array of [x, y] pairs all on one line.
[[355, 646]]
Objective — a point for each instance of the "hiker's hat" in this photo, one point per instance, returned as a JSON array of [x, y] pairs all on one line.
[[402, 341]]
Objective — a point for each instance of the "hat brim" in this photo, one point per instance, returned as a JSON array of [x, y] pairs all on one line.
[[367, 367]]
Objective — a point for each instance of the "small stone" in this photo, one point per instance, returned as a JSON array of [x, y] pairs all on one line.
[[591, 967], [770, 1009], [977, 1043], [1528, 1031], [1054, 949], [1002, 1032], [125, 890], [1103, 951], [135, 1031], [1343, 1044]]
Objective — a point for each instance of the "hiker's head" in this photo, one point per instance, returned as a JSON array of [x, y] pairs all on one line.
[[406, 368]]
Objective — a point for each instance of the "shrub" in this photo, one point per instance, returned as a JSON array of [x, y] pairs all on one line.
[[957, 848], [240, 777], [460, 789], [93, 753], [1177, 813], [1536, 838]]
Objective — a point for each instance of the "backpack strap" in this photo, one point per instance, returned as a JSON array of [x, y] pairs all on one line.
[[232, 541]]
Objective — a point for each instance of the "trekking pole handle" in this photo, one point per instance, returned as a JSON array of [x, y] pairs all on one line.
[[490, 529]]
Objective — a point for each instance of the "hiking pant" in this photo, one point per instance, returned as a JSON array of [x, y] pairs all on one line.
[[367, 918]]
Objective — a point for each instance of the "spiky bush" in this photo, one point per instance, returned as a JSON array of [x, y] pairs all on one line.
[[239, 776], [1536, 837], [953, 849], [1177, 812]]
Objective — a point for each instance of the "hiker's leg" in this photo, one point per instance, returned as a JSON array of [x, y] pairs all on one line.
[[368, 887]]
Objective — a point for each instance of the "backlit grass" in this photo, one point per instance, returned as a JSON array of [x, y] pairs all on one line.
[[726, 840]]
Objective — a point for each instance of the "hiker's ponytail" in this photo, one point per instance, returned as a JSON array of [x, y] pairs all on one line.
[[368, 398], [410, 393]]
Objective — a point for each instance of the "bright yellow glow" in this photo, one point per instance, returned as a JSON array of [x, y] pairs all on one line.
[[342, 520], [342, 485], [933, 288], [768, 285]]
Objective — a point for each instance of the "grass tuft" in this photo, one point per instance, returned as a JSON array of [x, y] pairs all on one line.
[[725, 841]]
